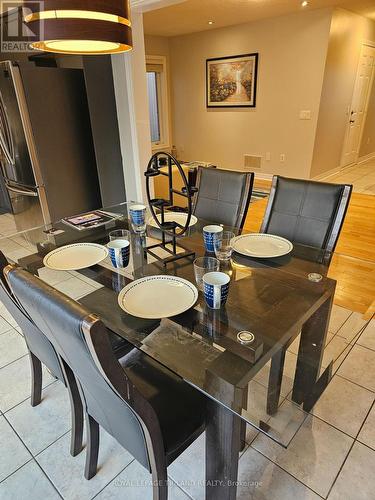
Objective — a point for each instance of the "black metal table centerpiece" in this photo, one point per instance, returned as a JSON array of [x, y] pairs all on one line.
[[162, 164]]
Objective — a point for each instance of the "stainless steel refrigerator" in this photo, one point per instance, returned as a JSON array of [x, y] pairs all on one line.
[[47, 155]]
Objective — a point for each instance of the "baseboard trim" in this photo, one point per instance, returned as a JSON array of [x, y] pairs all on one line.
[[365, 158], [326, 175]]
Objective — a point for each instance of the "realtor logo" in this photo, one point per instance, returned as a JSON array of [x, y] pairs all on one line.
[[15, 33]]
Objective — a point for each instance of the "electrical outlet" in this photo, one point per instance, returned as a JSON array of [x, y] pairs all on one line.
[[252, 162], [305, 114], [282, 158], [268, 156]]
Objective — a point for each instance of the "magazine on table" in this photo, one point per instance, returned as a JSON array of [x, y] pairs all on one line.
[[90, 220]]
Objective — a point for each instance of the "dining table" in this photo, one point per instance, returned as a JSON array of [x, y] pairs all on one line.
[[269, 385]]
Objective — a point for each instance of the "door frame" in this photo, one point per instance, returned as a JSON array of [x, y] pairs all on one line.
[[365, 43]]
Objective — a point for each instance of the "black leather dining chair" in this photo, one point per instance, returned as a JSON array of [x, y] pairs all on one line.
[[307, 212], [41, 351], [223, 196], [150, 411]]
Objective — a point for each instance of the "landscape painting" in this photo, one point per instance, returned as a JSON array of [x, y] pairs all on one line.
[[232, 81]]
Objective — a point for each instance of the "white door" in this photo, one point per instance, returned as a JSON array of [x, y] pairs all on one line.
[[357, 112]]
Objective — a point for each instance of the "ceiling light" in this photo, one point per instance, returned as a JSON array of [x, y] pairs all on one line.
[[210, 22], [305, 3], [80, 27]]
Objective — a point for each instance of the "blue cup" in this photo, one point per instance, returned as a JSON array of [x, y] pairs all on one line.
[[210, 235], [119, 252], [138, 217], [216, 289]]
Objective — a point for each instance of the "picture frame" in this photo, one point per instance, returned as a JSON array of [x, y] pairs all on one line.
[[231, 81]]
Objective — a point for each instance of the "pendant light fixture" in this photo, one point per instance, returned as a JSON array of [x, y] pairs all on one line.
[[80, 26]]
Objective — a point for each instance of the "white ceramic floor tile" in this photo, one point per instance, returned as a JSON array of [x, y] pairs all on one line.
[[89, 281], [21, 252], [314, 456], [338, 317], [359, 367], [66, 472], [260, 479], [4, 326], [53, 277], [367, 434], [352, 327], [13, 453], [333, 350], [356, 480], [188, 470], [135, 483], [286, 421], [48, 421], [262, 376], [8, 245], [75, 288], [28, 483], [344, 405], [12, 347], [7, 316], [21, 240], [15, 383], [367, 339]]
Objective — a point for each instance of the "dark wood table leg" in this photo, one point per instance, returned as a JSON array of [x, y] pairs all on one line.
[[310, 354], [275, 380], [222, 453]]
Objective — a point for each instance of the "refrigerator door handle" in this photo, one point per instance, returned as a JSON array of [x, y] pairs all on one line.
[[4, 149], [25, 192]]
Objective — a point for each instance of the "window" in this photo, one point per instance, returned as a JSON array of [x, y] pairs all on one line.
[[157, 87], [153, 104]]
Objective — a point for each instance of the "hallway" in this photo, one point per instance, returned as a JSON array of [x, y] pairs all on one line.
[[362, 177]]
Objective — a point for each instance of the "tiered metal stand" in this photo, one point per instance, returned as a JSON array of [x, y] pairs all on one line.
[[162, 164]]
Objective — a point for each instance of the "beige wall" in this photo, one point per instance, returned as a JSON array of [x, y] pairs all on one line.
[[291, 65], [368, 137], [157, 45], [348, 31]]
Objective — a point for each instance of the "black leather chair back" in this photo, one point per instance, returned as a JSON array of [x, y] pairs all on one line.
[[223, 196], [36, 342], [63, 321], [306, 212]]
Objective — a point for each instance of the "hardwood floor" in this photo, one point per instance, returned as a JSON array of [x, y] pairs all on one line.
[[353, 264]]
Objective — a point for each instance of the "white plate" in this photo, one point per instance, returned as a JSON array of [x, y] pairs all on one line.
[[75, 256], [261, 245], [179, 217], [155, 297]]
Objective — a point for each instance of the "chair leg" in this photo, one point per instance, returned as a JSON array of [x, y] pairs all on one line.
[[36, 379], [92, 450], [243, 423], [76, 410], [274, 383], [159, 483]]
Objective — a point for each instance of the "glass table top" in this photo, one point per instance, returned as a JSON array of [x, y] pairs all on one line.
[[271, 298]]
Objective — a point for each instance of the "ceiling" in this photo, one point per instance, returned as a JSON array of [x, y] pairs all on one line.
[[190, 16]]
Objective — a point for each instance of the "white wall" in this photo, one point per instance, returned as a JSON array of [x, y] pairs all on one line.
[[348, 31], [292, 52], [129, 74]]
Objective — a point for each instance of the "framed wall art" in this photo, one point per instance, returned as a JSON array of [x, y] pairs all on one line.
[[232, 81]]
